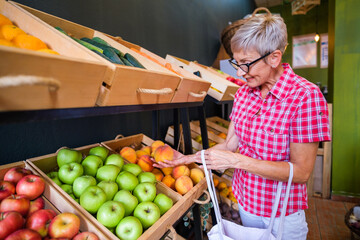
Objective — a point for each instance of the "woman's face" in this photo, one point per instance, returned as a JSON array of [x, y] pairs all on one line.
[[258, 72]]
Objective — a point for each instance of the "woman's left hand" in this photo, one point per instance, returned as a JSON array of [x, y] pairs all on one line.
[[218, 159]]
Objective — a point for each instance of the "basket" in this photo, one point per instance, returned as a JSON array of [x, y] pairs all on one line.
[[230, 30], [353, 229]]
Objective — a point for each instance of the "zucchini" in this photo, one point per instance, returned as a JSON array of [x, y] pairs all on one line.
[[102, 46], [127, 63], [61, 30], [133, 60], [104, 56], [112, 56], [100, 40], [88, 45]]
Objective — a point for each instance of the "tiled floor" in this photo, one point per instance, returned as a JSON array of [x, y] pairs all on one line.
[[325, 219]]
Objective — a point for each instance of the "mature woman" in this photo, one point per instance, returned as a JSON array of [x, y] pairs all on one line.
[[277, 117]]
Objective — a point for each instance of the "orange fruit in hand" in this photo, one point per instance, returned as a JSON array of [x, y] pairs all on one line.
[[6, 43], [4, 20], [9, 32], [29, 42]]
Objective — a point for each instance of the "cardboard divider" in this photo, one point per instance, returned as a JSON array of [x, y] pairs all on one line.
[[55, 200], [77, 73], [125, 85], [220, 89]]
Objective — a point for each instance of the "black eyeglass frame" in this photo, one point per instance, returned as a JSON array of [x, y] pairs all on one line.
[[241, 66]]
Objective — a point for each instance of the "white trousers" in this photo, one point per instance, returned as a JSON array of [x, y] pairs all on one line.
[[295, 226]]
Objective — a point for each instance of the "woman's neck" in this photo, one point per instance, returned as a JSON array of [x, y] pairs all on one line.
[[274, 75]]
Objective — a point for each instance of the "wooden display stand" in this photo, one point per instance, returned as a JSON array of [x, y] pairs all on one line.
[[124, 85], [221, 89], [191, 88], [55, 200], [34, 80]]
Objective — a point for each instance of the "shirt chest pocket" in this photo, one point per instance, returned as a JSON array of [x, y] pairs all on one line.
[[275, 140]]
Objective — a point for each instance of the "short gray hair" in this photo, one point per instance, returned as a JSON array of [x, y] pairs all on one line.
[[263, 33]]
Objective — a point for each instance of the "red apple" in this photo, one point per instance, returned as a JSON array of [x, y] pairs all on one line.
[[10, 222], [15, 174], [17, 203], [24, 234], [64, 225], [36, 204], [31, 186], [86, 236], [40, 220], [6, 189]]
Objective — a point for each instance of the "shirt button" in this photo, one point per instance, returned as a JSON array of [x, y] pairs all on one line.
[[265, 102], [272, 130], [320, 113]]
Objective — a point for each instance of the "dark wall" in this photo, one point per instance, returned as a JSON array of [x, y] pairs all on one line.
[[187, 29]]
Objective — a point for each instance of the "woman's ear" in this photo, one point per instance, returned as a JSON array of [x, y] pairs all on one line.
[[275, 58]]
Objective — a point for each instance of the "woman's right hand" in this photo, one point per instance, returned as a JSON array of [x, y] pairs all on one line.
[[178, 159]]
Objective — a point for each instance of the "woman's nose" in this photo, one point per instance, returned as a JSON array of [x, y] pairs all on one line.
[[240, 72]]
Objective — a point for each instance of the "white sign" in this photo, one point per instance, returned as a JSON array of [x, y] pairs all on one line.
[[324, 51], [304, 51]]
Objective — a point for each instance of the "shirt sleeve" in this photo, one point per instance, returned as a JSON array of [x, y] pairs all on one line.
[[311, 119]]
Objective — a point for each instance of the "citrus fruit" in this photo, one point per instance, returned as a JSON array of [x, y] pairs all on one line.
[[4, 20], [4, 42], [46, 50], [9, 32], [29, 42]]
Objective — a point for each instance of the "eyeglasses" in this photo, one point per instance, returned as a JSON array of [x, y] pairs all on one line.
[[246, 66]]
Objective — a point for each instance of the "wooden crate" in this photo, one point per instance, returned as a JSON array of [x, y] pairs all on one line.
[[319, 182], [56, 201], [221, 89], [46, 81], [212, 122], [184, 202], [125, 85], [191, 88], [222, 198]]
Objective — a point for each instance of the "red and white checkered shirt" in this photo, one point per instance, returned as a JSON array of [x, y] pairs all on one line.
[[293, 111]]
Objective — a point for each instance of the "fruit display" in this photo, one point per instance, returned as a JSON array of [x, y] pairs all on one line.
[[13, 36], [105, 50], [23, 214], [228, 203], [113, 187]]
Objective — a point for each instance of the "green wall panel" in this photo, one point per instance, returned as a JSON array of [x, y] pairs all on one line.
[[346, 126]]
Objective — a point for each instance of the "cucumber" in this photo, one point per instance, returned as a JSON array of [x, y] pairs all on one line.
[[60, 29], [88, 45], [127, 63], [112, 55], [102, 46], [104, 56], [100, 40], [133, 60]]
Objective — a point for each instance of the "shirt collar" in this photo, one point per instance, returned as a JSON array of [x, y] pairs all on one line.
[[281, 87]]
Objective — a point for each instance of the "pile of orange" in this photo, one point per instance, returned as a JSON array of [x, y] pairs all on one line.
[[13, 36]]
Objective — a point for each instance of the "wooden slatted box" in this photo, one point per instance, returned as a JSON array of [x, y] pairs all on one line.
[[191, 88], [77, 73], [124, 86]]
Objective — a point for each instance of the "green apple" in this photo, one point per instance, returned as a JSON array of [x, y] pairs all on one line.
[[66, 156], [129, 228], [163, 202], [115, 159], [145, 192], [147, 177], [110, 213], [110, 188], [127, 199], [91, 164], [92, 199], [99, 151], [126, 180], [67, 188], [107, 173], [148, 213], [55, 177], [81, 183], [69, 172], [133, 168]]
